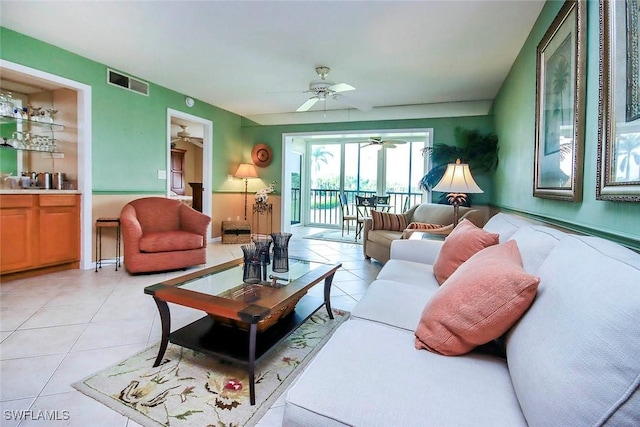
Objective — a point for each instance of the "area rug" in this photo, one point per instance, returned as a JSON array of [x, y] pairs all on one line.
[[190, 388], [335, 236]]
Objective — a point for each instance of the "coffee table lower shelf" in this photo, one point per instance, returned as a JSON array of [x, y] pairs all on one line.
[[235, 345]]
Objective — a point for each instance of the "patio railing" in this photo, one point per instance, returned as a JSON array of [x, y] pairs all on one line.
[[324, 204]]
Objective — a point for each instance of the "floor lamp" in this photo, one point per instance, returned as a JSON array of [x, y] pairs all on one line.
[[246, 171], [458, 182]]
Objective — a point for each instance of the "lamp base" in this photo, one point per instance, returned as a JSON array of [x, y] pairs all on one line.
[[456, 199]]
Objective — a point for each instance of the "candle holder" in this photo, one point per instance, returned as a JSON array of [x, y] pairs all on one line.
[[263, 244], [281, 252], [252, 268]]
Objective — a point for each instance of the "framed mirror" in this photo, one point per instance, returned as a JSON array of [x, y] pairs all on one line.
[[560, 100], [619, 116]]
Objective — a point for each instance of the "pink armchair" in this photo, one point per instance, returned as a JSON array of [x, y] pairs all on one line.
[[162, 234]]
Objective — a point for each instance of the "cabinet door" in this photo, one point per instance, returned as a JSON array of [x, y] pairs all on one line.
[[16, 239], [59, 234]]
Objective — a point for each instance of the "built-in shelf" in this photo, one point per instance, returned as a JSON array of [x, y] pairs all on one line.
[[31, 150], [52, 127]]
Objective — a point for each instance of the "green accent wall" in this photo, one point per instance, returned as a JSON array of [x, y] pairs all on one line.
[[128, 129], [514, 114]]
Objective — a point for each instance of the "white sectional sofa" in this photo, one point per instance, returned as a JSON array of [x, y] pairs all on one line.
[[573, 359]]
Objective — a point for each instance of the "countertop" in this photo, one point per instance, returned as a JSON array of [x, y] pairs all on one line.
[[37, 191]]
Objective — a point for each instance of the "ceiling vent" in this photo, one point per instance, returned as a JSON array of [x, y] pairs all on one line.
[[122, 80]]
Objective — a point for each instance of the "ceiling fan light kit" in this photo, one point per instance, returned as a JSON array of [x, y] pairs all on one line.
[[324, 89]]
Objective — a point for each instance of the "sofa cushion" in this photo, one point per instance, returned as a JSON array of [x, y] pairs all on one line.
[[505, 225], [574, 356], [386, 382], [388, 221], [166, 241], [395, 304], [534, 243], [383, 237], [464, 241], [479, 302]]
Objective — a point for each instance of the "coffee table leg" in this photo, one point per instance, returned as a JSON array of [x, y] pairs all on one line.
[[253, 330], [327, 295], [165, 318]]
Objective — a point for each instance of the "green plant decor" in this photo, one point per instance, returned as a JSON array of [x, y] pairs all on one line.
[[479, 150]]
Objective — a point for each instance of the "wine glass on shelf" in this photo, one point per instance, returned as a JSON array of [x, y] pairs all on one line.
[[51, 113]]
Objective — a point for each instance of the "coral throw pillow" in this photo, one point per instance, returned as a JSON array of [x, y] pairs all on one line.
[[463, 242], [388, 221], [478, 303]]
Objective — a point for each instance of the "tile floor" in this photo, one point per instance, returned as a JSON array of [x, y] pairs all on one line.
[[59, 328]]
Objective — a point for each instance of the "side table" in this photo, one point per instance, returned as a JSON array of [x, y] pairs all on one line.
[[262, 213], [107, 223]]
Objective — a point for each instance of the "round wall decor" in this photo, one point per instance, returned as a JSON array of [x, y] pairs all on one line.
[[261, 155], [189, 101]]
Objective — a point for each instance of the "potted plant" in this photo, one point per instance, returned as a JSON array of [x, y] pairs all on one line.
[[479, 150]]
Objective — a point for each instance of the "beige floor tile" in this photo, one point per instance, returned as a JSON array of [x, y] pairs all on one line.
[[26, 299], [11, 319], [122, 308], [13, 410], [78, 365], [80, 411], [26, 377], [60, 315], [113, 333], [40, 342]]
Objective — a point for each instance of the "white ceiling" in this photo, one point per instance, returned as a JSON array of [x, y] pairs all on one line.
[[255, 58]]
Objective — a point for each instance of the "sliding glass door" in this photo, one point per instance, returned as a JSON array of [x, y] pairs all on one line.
[[356, 168]]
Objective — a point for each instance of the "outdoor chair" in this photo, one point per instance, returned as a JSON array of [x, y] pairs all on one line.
[[346, 215]]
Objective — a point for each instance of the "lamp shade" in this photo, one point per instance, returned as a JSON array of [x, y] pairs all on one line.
[[246, 170], [457, 179]]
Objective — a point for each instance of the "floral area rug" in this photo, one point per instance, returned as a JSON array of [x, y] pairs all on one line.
[[190, 388], [336, 236]]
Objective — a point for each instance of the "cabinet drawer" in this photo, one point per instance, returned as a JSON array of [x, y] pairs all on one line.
[[58, 200], [8, 201]]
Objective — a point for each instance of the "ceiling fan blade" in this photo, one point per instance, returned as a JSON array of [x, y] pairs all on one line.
[[360, 105], [394, 141], [341, 87], [310, 103], [390, 146]]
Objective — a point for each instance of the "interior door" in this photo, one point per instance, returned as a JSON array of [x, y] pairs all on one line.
[[177, 171]]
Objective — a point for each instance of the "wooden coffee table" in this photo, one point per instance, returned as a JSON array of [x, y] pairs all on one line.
[[243, 321]]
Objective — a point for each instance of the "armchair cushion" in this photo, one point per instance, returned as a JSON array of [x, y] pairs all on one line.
[[176, 240], [388, 221]]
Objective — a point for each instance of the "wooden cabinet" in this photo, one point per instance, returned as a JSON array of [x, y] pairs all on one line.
[[39, 231]]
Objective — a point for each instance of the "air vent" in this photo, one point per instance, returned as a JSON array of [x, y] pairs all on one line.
[[127, 82]]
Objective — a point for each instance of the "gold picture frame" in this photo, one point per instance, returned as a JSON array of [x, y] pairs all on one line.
[[560, 106], [618, 172]]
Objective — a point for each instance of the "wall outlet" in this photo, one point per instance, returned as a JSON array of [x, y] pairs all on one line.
[[162, 174]]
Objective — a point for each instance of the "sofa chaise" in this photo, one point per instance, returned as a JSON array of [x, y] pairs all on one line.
[[572, 358], [376, 241]]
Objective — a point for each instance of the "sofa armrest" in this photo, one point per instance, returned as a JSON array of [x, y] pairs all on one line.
[[422, 251], [131, 229], [193, 221]]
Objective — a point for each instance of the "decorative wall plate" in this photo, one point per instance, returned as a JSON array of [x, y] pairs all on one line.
[[261, 155]]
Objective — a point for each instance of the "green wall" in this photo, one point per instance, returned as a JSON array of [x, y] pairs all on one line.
[[128, 129], [514, 114], [443, 131]]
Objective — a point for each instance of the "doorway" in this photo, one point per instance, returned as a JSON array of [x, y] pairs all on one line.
[[189, 159]]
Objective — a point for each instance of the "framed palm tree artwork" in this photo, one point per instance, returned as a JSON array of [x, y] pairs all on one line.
[[618, 173], [560, 105]]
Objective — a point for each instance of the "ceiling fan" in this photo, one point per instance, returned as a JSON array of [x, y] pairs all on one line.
[[381, 143], [323, 89], [185, 136]]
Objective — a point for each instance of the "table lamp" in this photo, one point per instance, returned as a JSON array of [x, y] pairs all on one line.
[[458, 182], [246, 171]]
